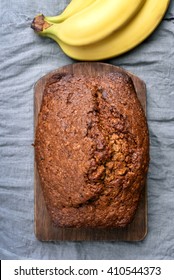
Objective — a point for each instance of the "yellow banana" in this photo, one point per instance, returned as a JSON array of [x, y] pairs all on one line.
[[119, 42], [97, 21], [73, 7], [138, 29]]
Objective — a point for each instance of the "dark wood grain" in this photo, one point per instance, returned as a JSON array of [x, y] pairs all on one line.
[[44, 230]]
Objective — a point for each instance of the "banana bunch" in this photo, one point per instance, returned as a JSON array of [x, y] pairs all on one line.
[[94, 30]]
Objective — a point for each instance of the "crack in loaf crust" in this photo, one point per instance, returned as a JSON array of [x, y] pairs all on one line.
[[92, 150]]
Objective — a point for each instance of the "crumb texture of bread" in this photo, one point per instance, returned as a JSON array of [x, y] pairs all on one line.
[[91, 150]]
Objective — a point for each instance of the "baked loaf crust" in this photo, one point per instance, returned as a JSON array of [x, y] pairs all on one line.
[[91, 150]]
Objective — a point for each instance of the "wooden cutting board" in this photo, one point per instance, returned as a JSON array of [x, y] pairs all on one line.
[[44, 230]]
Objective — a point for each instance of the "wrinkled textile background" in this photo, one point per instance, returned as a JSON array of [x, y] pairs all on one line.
[[25, 57]]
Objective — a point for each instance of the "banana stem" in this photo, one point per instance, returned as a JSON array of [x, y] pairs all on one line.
[[56, 19], [44, 28], [39, 24]]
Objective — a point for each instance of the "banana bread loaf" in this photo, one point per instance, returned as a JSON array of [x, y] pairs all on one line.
[[91, 150]]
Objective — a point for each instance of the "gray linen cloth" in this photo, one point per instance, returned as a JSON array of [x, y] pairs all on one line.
[[25, 57]]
